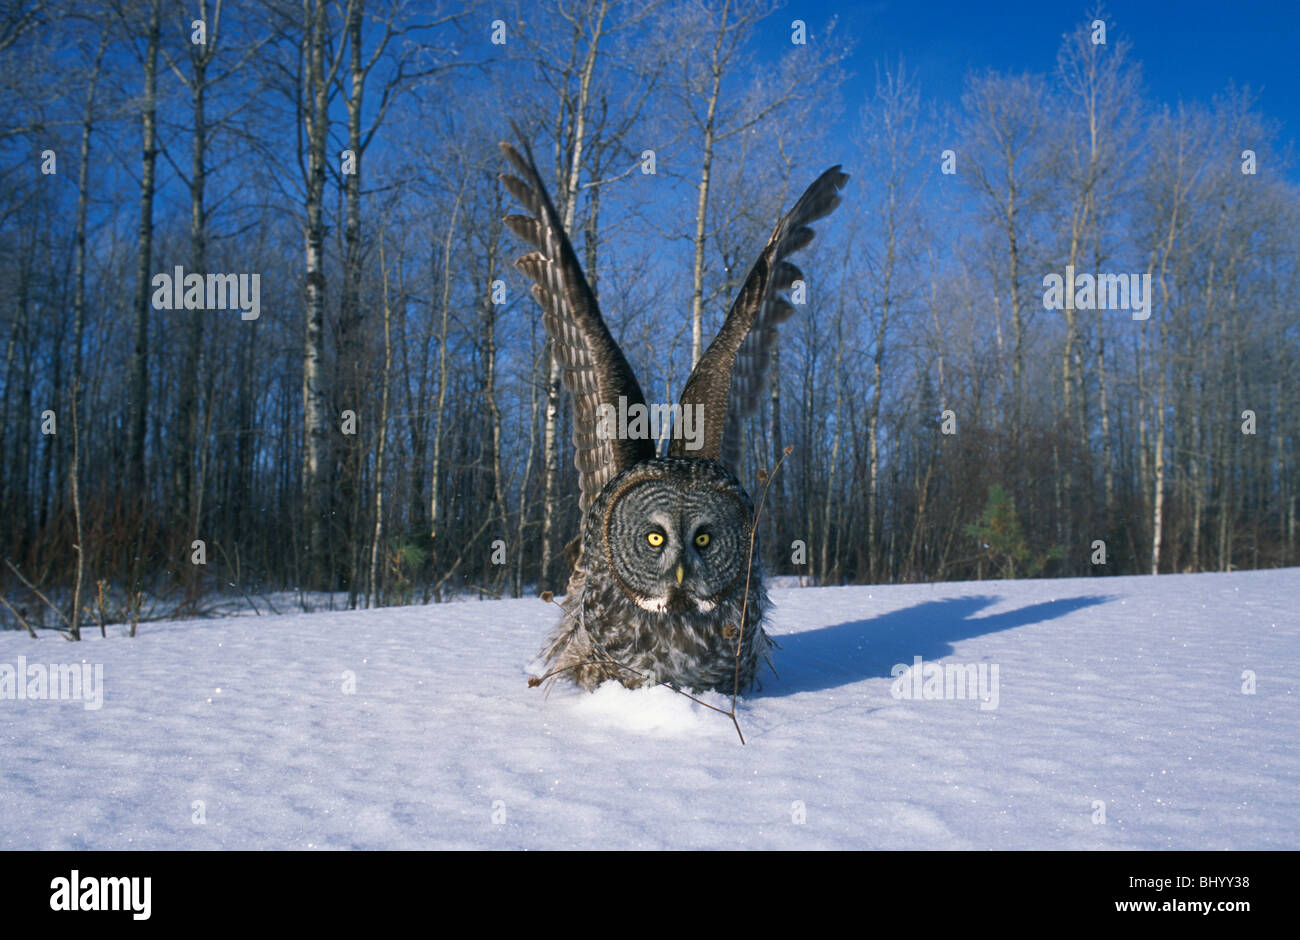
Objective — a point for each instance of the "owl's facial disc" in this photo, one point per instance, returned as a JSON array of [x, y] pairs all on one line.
[[676, 547]]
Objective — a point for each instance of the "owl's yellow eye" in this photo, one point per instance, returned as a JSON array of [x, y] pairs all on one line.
[[655, 538], [702, 539]]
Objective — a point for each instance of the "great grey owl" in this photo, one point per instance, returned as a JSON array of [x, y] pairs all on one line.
[[664, 566]]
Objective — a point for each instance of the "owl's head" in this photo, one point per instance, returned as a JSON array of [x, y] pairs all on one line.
[[675, 533]]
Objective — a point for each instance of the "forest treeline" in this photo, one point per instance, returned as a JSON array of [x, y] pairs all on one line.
[[387, 422]]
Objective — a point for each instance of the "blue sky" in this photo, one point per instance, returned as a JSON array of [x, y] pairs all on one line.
[[1188, 49]]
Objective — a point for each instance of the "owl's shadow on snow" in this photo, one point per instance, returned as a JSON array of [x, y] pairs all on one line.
[[866, 649]]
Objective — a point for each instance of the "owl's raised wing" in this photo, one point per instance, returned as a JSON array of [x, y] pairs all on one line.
[[595, 371], [730, 377]]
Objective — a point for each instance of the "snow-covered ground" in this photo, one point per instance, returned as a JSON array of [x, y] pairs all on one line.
[[1121, 715]]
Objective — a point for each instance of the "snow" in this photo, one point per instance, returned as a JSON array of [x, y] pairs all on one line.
[[242, 732]]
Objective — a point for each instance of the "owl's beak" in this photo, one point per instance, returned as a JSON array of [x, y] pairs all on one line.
[[680, 574]]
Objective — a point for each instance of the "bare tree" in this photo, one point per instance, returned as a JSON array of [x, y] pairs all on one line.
[[138, 396], [1004, 117], [320, 64], [889, 207]]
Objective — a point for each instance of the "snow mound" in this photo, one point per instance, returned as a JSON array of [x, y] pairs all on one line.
[[658, 710]]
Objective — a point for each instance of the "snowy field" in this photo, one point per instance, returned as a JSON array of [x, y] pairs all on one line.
[[1120, 715]]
